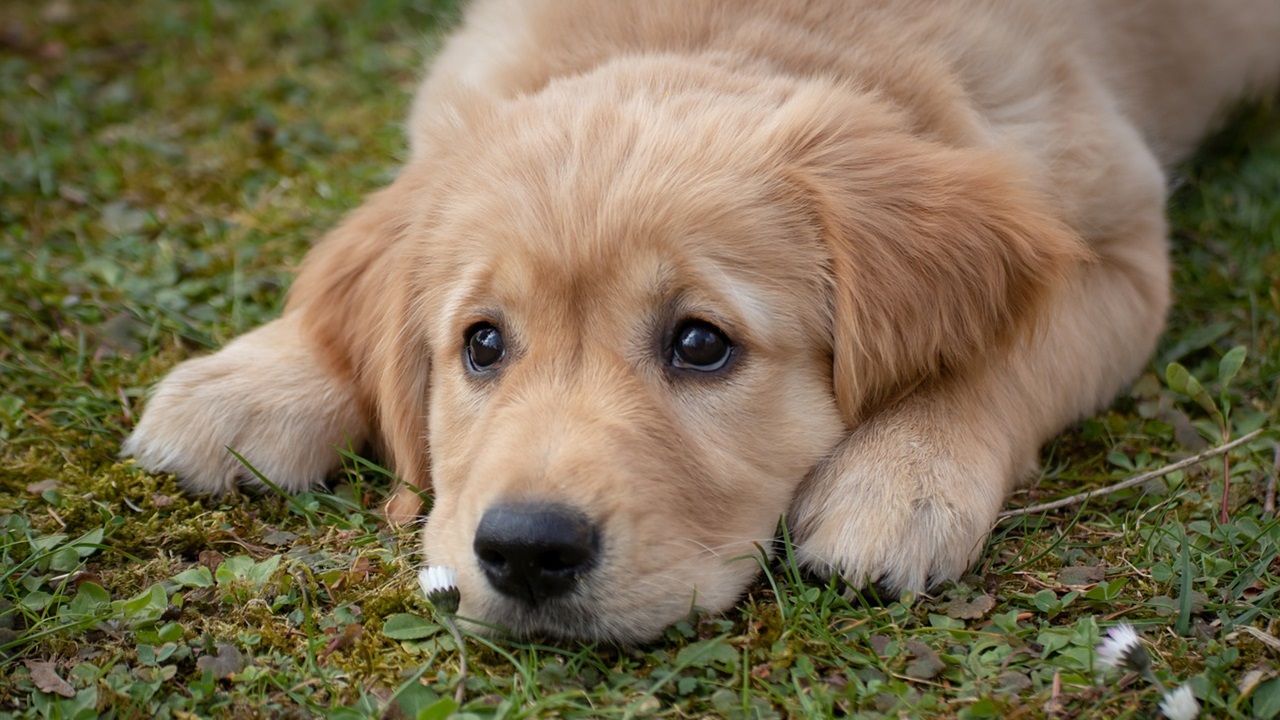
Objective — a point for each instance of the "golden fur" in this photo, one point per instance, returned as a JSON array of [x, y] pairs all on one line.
[[933, 230]]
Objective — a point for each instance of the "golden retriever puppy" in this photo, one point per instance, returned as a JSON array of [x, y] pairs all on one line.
[[662, 272]]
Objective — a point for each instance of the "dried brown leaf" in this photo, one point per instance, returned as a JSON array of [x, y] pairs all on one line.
[[926, 665], [45, 677], [962, 609], [1081, 575], [226, 663]]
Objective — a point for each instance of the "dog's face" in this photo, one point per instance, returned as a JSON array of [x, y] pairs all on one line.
[[624, 373], [619, 313]]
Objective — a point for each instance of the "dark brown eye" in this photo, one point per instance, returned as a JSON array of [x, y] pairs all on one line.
[[700, 346], [484, 346]]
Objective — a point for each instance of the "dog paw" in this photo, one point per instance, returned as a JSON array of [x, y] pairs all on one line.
[[905, 503], [265, 396]]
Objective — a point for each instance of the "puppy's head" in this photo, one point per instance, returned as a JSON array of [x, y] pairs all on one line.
[[642, 304]]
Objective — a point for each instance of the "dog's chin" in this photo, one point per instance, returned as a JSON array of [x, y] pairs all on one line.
[[577, 617]]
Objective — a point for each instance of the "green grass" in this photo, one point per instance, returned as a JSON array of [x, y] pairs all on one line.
[[163, 166]]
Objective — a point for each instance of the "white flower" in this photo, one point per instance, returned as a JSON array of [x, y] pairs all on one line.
[[437, 578], [1180, 704], [440, 585], [1121, 648]]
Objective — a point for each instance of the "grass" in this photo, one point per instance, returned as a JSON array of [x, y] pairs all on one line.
[[162, 167]]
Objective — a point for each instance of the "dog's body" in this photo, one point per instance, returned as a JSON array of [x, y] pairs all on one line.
[[660, 272]]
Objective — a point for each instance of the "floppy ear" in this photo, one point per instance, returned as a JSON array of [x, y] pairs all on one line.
[[939, 255], [398, 367], [352, 294]]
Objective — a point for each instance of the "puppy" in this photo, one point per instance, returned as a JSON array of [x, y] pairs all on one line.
[[659, 273]]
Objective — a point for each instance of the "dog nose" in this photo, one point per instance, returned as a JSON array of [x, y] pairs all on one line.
[[534, 552]]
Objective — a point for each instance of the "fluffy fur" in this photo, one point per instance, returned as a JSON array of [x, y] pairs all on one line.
[[933, 230]]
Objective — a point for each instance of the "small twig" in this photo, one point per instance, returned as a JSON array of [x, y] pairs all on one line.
[[124, 405], [1269, 499], [1054, 705], [1136, 480], [1224, 517]]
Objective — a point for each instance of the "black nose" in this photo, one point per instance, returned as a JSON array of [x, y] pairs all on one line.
[[535, 552]]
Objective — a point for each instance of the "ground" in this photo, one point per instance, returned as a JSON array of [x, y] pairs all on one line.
[[163, 166]]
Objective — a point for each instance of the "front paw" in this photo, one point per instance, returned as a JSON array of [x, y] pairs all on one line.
[[267, 397], [905, 502]]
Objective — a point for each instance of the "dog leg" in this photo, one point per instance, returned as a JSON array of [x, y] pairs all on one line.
[[266, 396], [909, 497]]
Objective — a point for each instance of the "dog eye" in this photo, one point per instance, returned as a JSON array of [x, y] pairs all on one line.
[[484, 346], [701, 346]]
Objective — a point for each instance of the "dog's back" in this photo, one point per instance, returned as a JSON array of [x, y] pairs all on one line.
[[1171, 65], [1174, 64]]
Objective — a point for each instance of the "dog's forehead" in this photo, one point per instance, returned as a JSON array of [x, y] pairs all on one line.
[[589, 177], [625, 287], [613, 210]]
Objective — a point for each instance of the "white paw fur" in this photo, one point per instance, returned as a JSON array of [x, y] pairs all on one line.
[[905, 502]]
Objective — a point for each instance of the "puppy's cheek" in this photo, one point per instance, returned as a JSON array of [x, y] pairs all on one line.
[[722, 589], [442, 544], [714, 581]]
